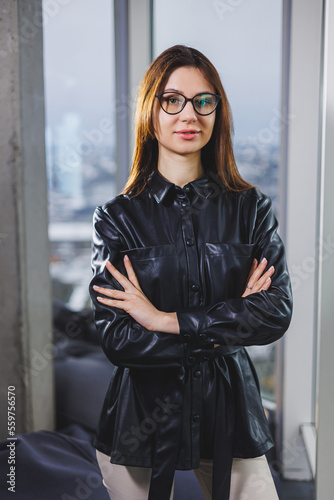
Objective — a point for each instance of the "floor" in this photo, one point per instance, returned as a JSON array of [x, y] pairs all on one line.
[[187, 488], [302, 490]]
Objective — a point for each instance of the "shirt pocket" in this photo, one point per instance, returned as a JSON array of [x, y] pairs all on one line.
[[157, 270], [227, 267]]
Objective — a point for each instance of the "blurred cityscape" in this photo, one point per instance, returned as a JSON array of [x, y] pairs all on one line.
[[81, 175], [259, 165], [81, 170]]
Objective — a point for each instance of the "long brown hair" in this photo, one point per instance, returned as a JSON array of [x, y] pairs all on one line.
[[217, 155]]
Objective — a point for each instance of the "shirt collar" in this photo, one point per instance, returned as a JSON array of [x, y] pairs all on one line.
[[204, 186]]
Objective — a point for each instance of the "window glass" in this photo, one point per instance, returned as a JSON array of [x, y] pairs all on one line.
[[243, 40], [80, 135]]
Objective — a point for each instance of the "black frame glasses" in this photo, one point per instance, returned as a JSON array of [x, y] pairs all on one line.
[[187, 99]]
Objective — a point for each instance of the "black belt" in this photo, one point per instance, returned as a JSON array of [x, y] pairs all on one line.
[[169, 432]]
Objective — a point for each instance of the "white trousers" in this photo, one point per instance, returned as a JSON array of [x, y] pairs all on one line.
[[251, 479]]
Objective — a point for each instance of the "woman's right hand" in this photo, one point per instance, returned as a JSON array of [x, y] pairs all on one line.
[[258, 280]]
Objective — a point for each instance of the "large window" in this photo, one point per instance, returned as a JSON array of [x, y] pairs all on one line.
[[243, 40], [80, 135]]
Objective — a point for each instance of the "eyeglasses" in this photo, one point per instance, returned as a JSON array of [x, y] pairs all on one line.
[[173, 102]]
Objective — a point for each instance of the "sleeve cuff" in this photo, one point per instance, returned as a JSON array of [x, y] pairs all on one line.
[[192, 322]]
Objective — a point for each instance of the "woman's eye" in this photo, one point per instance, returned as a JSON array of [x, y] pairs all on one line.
[[173, 100], [204, 101]]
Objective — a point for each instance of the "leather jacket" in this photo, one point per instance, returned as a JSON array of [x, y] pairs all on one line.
[[174, 399]]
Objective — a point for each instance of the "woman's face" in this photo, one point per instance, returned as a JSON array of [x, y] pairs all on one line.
[[187, 132]]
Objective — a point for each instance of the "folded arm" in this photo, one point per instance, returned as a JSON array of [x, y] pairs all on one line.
[[124, 339], [134, 333], [255, 318]]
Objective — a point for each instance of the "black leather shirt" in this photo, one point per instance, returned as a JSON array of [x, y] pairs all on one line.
[[174, 399]]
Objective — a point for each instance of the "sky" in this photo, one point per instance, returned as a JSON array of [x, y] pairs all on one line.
[[241, 37], [243, 40], [78, 60]]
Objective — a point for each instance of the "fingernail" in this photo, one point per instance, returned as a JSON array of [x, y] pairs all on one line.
[[271, 268], [267, 280], [254, 261], [263, 260], [96, 287], [99, 298], [126, 257]]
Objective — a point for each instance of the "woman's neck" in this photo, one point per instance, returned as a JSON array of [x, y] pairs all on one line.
[[180, 169]]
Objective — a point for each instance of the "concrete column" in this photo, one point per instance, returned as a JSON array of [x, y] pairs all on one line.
[[121, 25], [325, 438], [25, 300]]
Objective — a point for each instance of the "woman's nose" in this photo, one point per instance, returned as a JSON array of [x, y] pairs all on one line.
[[188, 112]]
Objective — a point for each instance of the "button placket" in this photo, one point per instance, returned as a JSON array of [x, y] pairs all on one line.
[[196, 407], [190, 249]]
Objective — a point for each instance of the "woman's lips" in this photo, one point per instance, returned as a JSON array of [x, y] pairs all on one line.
[[187, 134]]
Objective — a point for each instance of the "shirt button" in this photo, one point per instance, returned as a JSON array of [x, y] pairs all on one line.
[[186, 336], [191, 360], [203, 337], [184, 203], [195, 287], [196, 418], [197, 373], [187, 188], [190, 242]]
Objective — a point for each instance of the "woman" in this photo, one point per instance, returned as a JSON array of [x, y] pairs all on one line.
[[188, 269]]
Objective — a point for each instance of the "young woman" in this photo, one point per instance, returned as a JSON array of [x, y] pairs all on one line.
[[188, 269]]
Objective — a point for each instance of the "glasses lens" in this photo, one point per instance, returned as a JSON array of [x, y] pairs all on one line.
[[205, 103], [172, 102]]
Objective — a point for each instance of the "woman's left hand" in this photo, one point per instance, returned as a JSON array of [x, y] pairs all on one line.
[[258, 280], [132, 300]]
